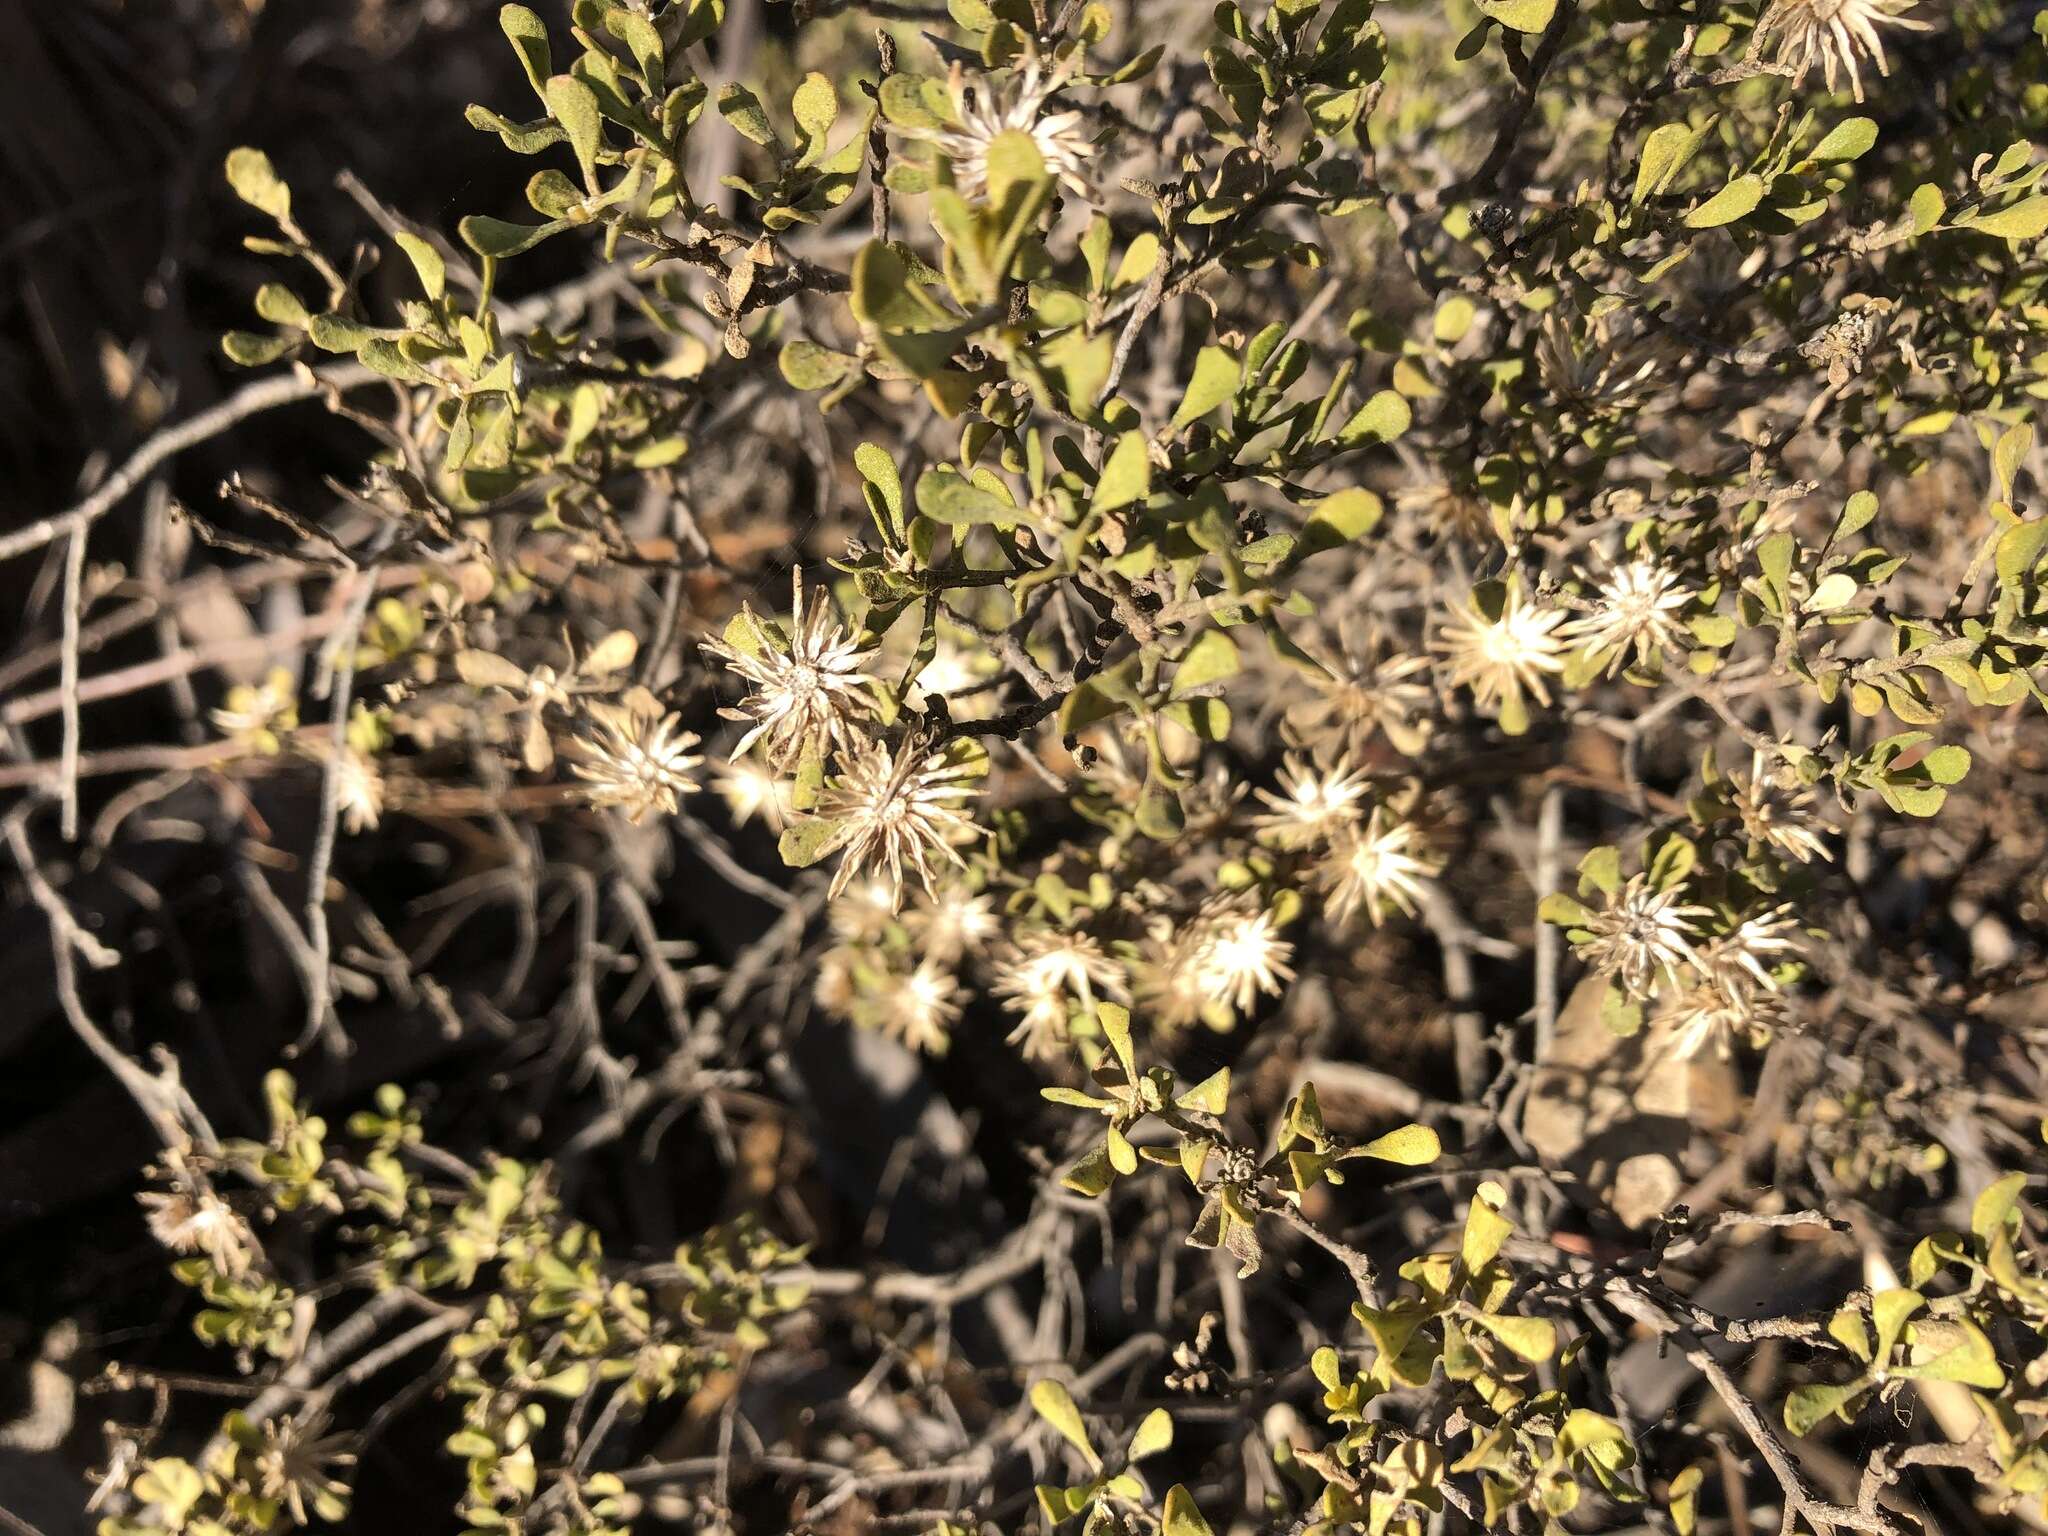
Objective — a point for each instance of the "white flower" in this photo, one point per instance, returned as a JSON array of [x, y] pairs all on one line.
[[1747, 954], [1831, 33], [635, 757], [1500, 659], [1314, 802], [1242, 956], [920, 1007], [1169, 976], [1381, 864], [753, 790], [1641, 936], [1045, 977], [1634, 610], [808, 692], [359, 791], [985, 108], [836, 988], [1779, 812], [864, 911], [895, 811], [949, 923]]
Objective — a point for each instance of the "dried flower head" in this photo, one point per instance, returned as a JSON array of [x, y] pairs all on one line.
[[1598, 366], [1635, 612], [634, 756], [986, 107], [1831, 33], [894, 811], [1642, 935], [292, 1456], [1382, 864], [1366, 688], [1778, 811], [809, 690], [1448, 511], [1315, 801], [1737, 988], [197, 1221], [1503, 657]]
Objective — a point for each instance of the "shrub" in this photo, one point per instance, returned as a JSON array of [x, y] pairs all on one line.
[[1261, 504]]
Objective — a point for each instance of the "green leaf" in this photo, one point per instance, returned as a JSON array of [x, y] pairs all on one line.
[[1054, 1404], [1092, 1175], [1533, 1338], [2010, 452], [1520, 15], [496, 237], [643, 41], [879, 470], [2019, 548], [1211, 1095], [574, 105], [256, 183], [1181, 1518], [1807, 1406], [426, 261], [809, 841], [815, 106], [1665, 153], [2024, 220], [1947, 764], [252, 349], [1566, 911], [1212, 658], [1385, 417], [1410, 1145], [1215, 379], [1485, 1228], [1013, 160], [1847, 140], [1835, 590], [1155, 1434], [1998, 1206], [946, 496], [1350, 514], [1856, 516], [1126, 476], [742, 108], [1736, 200], [1888, 1313], [806, 365], [529, 37], [1116, 1029], [1774, 557], [1927, 205]]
